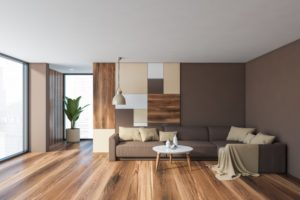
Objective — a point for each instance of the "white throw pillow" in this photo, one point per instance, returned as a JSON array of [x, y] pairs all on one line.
[[248, 138], [126, 134], [261, 138], [239, 134]]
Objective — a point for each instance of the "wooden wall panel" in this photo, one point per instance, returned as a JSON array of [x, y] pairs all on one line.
[[163, 109], [55, 108], [104, 90]]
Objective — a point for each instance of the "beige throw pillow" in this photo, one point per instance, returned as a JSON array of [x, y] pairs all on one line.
[[148, 134], [239, 134], [165, 135], [127, 134], [248, 138], [261, 138]]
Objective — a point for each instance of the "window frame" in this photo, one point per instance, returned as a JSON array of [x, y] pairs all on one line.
[[26, 114]]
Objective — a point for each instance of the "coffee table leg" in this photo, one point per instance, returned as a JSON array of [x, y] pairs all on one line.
[[157, 161], [170, 155], [188, 160]]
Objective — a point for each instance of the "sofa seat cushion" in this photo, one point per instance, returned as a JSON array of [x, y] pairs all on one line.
[[136, 149], [222, 143], [201, 148]]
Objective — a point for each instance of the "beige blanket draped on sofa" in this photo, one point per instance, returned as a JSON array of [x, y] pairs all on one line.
[[235, 160]]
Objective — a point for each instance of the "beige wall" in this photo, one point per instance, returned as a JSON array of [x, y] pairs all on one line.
[[38, 106], [101, 140]]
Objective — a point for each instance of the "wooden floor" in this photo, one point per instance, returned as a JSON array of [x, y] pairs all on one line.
[[77, 173]]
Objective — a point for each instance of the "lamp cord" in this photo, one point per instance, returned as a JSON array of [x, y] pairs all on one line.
[[119, 59]]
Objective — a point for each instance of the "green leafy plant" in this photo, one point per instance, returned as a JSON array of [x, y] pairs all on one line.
[[73, 110]]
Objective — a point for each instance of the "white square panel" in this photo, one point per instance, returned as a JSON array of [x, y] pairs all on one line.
[[140, 124], [134, 101], [155, 71]]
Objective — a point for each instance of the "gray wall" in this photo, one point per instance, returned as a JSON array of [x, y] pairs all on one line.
[[212, 94], [273, 98]]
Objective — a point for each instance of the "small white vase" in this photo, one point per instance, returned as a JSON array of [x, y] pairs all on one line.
[[168, 144], [175, 140]]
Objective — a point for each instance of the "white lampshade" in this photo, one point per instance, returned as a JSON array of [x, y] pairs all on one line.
[[119, 99]]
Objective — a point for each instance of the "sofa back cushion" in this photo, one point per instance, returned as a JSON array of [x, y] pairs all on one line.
[[189, 132], [158, 127], [218, 133]]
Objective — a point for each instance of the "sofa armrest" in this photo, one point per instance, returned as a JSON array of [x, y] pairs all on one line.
[[113, 142], [272, 158]]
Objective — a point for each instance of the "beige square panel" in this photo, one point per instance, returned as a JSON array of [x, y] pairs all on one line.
[[133, 78], [171, 78], [140, 116]]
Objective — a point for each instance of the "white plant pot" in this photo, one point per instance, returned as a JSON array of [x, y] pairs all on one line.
[[73, 135]]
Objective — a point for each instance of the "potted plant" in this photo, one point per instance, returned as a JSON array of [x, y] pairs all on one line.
[[73, 111]]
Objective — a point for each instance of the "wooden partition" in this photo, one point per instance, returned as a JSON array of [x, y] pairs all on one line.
[[104, 90], [55, 105]]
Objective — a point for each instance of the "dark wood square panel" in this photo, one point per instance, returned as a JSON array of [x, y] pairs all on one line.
[[163, 109]]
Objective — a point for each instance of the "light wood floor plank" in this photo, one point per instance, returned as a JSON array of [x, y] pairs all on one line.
[[74, 172]]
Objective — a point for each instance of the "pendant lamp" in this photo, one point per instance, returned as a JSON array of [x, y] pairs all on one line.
[[119, 99]]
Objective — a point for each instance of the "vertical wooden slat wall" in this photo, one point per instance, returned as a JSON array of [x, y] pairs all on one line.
[[56, 95], [104, 90]]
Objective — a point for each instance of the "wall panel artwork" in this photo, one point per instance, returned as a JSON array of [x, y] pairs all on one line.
[[152, 92]]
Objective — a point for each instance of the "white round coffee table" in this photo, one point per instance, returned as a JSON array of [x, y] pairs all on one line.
[[181, 149]]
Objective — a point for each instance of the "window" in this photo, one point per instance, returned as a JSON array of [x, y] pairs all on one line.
[[81, 85], [13, 107]]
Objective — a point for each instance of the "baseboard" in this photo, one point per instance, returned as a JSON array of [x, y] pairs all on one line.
[[293, 178], [56, 146]]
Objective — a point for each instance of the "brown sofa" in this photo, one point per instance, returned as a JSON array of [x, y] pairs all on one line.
[[205, 141]]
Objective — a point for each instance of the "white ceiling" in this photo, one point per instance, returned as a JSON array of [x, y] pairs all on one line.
[[77, 33]]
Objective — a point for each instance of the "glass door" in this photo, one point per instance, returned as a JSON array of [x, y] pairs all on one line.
[[81, 85]]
